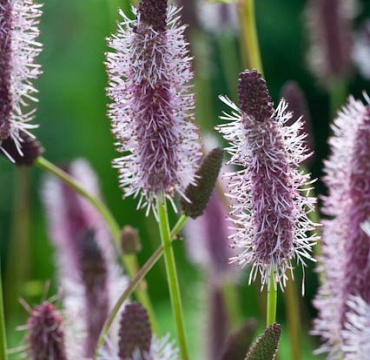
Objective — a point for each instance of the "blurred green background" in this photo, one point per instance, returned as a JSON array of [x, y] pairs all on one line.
[[73, 123]]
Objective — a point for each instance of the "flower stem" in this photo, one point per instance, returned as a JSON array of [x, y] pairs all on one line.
[[293, 317], [3, 345], [338, 93], [249, 35], [136, 281], [173, 283], [271, 298], [129, 261]]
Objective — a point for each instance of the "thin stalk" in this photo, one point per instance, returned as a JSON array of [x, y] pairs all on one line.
[[172, 280], [129, 261], [249, 35], [232, 303], [3, 346], [293, 317], [271, 299], [338, 94], [136, 281]]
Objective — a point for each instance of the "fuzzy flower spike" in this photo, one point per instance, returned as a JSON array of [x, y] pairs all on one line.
[[18, 48], [152, 113], [270, 211], [343, 301]]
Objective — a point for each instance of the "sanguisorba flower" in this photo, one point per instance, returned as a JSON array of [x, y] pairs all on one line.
[[343, 300], [270, 213], [45, 333], [152, 112], [90, 279], [18, 48], [329, 55]]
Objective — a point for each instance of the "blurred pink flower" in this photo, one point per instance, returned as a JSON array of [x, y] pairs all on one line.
[[91, 280], [346, 244]]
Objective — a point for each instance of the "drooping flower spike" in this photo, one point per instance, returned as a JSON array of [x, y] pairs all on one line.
[[152, 113], [18, 49], [343, 300], [270, 209]]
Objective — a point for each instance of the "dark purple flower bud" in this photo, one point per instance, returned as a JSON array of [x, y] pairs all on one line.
[[152, 113], [46, 333], [153, 13], [297, 104], [254, 98], [270, 214], [18, 50], [329, 27], [130, 241], [30, 147], [135, 334], [346, 243], [199, 193]]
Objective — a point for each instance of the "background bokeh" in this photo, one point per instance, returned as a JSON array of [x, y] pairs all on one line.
[[73, 123]]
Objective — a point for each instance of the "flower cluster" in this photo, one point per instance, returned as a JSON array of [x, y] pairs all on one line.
[[344, 298], [270, 209], [152, 112], [18, 49]]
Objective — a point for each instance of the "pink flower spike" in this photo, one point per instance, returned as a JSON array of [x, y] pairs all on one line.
[[152, 109], [19, 21], [345, 294], [270, 205]]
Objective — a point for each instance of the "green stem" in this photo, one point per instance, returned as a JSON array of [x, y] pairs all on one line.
[[249, 36], [129, 261], [338, 94], [173, 283], [232, 302], [293, 317], [271, 299], [136, 281], [3, 346]]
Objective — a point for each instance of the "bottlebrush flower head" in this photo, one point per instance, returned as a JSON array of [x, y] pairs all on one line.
[[46, 333], [91, 281], [270, 210], [152, 109], [346, 244], [329, 27], [18, 49]]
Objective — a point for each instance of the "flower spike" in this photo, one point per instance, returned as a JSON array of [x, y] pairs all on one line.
[[18, 49], [152, 109], [343, 301], [270, 211]]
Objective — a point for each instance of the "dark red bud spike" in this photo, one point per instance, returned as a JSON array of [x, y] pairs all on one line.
[[254, 98], [135, 332], [154, 13]]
